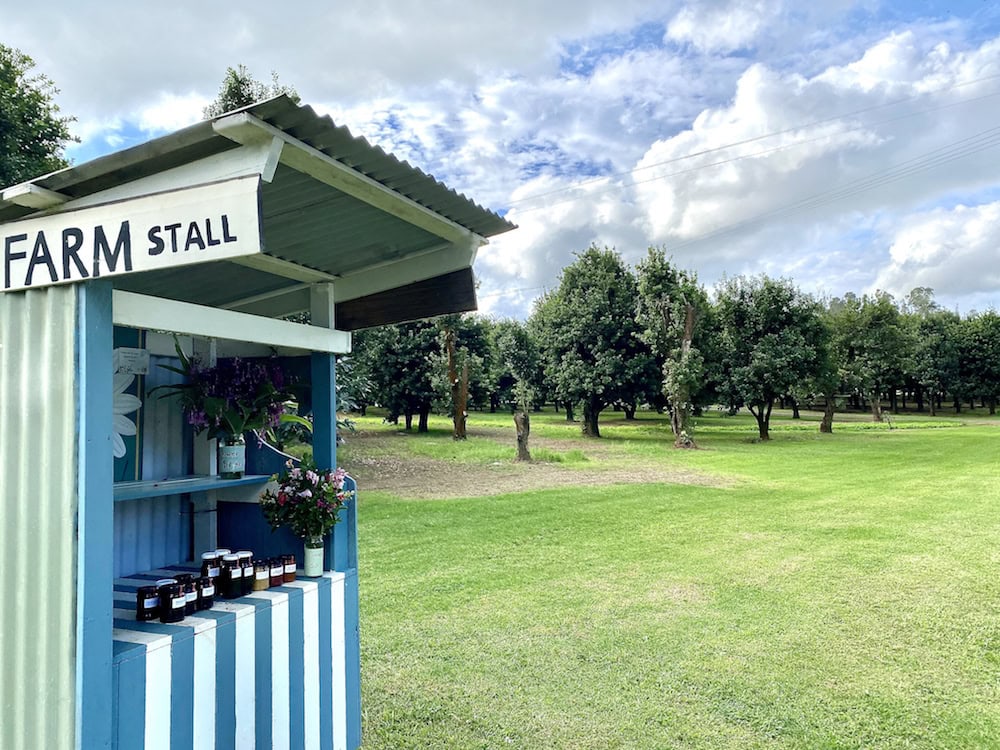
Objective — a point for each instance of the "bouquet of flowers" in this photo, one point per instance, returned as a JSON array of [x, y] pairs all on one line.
[[307, 500], [233, 397]]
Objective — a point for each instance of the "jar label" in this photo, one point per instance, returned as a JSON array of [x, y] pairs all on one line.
[[262, 575], [153, 601], [235, 573], [208, 591], [276, 571], [213, 572], [290, 568], [179, 602], [248, 571], [191, 596], [232, 458]]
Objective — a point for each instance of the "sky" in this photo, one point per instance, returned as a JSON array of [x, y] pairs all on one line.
[[848, 146]]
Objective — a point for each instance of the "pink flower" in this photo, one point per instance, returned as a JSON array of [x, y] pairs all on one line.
[[306, 493], [312, 476]]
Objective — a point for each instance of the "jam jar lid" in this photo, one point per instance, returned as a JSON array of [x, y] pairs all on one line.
[[213, 555], [165, 582], [231, 558]]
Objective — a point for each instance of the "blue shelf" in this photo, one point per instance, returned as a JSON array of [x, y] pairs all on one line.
[[181, 486]]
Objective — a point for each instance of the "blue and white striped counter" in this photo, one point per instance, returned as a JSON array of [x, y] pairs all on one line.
[[267, 670]]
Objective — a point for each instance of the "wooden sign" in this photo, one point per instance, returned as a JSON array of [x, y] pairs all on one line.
[[194, 225]]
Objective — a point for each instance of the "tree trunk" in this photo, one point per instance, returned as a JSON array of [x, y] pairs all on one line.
[[629, 411], [422, 424], [408, 417], [522, 423], [877, 407], [795, 408], [763, 416], [920, 398], [992, 404], [555, 405], [958, 405], [591, 413], [894, 401], [459, 387], [933, 404], [569, 411], [826, 424], [493, 404]]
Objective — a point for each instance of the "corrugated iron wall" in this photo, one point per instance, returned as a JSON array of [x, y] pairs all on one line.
[[153, 532], [37, 521]]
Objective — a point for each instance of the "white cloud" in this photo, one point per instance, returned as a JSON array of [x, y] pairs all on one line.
[[171, 112], [951, 250], [721, 27], [508, 104]]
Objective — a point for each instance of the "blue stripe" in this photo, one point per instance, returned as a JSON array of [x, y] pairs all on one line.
[[262, 672], [181, 693], [225, 680], [325, 664], [352, 661], [95, 530], [128, 681], [296, 667]]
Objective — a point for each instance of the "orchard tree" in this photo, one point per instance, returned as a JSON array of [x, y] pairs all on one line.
[[33, 136], [980, 357], [670, 307], [518, 354], [590, 338], [936, 355], [773, 340], [240, 89], [463, 371], [401, 361], [881, 349]]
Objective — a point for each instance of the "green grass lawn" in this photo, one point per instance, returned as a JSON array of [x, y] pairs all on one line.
[[837, 592]]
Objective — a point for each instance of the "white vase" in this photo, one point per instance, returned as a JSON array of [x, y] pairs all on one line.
[[314, 561]]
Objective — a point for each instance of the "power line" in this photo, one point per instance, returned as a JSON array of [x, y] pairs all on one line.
[[930, 160], [704, 152]]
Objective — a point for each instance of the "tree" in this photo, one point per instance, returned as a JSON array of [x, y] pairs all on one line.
[[980, 356], [401, 360], [33, 136], [880, 349], [466, 352], [936, 356], [516, 350], [772, 337], [670, 307], [240, 89], [589, 336]]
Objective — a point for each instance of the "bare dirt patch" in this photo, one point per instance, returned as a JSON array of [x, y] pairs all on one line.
[[381, 461]]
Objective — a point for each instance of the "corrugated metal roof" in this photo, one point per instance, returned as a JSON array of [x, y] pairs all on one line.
[[309, 222], [200, 140]]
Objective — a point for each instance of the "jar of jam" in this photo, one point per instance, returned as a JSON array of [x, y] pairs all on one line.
[[277, 571], [246, 563], [206, 592], [147, 603], [231, 577], [210, 564], [288, 563], [172, 602], [261, 575], [190, 592]]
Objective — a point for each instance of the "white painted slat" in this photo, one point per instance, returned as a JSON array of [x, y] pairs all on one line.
[[142, 311]]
